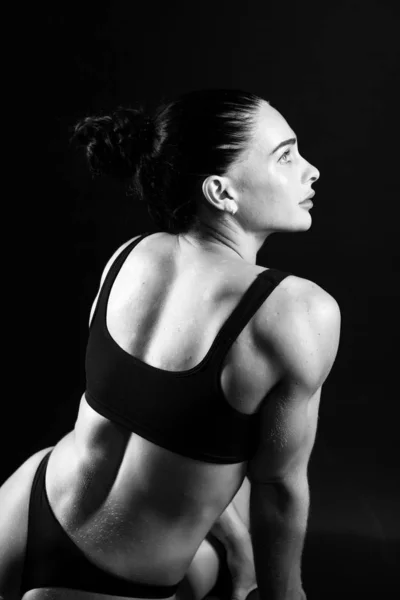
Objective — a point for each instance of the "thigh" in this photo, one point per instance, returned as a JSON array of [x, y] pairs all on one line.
[[208, 574], [14, 509], [70, 594], [202, 574]]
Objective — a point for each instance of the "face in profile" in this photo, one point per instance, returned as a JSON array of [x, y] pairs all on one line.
[[273, 178]]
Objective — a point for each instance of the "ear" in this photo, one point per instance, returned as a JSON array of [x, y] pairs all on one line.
[[217, 190]]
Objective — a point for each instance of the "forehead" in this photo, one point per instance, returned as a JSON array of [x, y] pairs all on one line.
[[271, 128]]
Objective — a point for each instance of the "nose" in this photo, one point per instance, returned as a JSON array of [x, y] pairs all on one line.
[[310, 173]]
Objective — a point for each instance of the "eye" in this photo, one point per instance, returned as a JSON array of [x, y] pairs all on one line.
[[285, 157]]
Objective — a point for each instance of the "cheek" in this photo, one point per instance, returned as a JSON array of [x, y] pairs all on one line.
[[265, 184], [277, 187], [282, 180]]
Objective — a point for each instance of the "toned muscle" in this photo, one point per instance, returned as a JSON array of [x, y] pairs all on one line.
[[165, 308]]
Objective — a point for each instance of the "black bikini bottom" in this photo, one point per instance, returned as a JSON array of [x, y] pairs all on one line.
[[53, 560]]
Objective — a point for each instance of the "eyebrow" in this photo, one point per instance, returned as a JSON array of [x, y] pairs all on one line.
[[284, 143]]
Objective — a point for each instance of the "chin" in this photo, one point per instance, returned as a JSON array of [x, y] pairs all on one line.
[[306, 226], [298, 226], [305, 222]]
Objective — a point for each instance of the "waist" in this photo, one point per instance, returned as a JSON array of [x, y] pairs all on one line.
[[135, 507]]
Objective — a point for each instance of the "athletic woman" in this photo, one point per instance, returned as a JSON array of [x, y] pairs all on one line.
[[203, 374]]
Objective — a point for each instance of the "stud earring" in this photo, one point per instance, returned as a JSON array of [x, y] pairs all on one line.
[[231, 206]]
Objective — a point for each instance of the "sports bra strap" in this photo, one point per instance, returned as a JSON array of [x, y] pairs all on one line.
[[259, 290], [263, 285], [113, 271]]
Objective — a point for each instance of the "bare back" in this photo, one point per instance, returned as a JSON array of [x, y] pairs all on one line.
[[138, 510]]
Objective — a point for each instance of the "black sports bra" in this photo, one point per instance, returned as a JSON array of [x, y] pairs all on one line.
[[183, 411]]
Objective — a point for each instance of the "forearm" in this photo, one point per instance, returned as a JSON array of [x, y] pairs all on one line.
[[278, 523], [232, 529]]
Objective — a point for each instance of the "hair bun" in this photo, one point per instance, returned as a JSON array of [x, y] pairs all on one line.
[[115, 144]]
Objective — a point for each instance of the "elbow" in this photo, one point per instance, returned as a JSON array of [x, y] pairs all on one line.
[[293, 480]]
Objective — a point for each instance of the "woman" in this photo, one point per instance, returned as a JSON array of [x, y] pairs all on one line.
[[204, 372]]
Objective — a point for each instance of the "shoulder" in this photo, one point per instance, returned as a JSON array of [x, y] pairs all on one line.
[[300, 324], [296, 297], [115, 255], [300, 298]]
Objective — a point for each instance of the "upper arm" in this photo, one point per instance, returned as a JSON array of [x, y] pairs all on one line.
[[304, 342], [105, 271]]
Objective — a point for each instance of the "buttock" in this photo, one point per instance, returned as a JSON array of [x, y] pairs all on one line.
[[52, 560]]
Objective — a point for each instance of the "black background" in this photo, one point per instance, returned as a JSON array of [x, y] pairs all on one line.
[[331, 69]]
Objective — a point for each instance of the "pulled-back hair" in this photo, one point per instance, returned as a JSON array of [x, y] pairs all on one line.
[[165, 156]]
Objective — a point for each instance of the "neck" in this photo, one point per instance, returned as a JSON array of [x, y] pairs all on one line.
[[225, 239]]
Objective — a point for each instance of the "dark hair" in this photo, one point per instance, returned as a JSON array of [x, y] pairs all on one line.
[[164, 156]]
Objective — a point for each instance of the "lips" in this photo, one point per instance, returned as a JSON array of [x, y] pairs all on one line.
[[308, 197]]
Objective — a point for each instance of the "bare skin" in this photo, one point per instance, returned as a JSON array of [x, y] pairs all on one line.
[[166, 306], [84, 454]]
